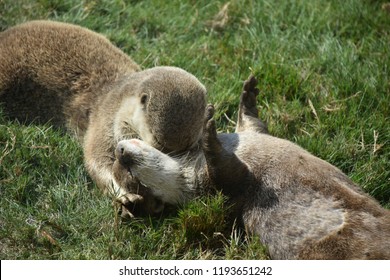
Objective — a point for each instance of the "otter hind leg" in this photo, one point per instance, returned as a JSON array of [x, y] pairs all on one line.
[[248, 114]]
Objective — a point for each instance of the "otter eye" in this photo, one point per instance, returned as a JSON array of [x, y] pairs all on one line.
[[144, 98]]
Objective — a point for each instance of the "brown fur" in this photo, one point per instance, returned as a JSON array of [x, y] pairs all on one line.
[[77, 79], [283, 176], [301, 206], [57, 70]]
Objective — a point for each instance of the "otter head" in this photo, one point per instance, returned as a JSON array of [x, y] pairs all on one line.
[[173, 105], [162, 177]]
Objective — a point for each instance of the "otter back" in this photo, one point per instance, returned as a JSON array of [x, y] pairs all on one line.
[[52, 71]]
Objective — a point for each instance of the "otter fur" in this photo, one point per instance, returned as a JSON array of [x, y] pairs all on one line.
[[300, 206], [75, 78]]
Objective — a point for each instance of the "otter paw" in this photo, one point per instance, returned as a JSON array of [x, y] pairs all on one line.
[[209, 113], [250, 85], [125, 213], [211, 143], [147, 206], [130, 199], [130, 205], [248, 97]]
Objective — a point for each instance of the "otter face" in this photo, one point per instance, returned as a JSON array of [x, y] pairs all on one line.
[[174, 106], [163, 106], [130, 120], [158, 172]]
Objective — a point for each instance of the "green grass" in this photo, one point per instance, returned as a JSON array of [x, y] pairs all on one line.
[[324, 75]]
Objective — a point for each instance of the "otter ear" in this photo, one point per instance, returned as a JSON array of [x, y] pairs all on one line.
[[144, 98]]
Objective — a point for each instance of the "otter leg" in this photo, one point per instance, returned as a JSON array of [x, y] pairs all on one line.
[[225, 170], [248, 114], [128, 201]]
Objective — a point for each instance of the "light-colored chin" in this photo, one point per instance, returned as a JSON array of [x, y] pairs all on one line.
[[130, 119], [156, 170]]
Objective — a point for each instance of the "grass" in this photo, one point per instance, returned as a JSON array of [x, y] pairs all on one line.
[[324, 72]]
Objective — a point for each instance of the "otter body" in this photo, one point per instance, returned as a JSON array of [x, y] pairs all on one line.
[[77, 79], [301, 206]]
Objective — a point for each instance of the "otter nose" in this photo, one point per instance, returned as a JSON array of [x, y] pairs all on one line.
[[129, 152], [123, 154]]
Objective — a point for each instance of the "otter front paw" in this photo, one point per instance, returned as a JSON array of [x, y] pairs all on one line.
[[139, 206], [128, 205], [211, 144], [125, 190]]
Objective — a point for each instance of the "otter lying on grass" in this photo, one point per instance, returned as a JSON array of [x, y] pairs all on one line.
[[301, 206], [75, 78]]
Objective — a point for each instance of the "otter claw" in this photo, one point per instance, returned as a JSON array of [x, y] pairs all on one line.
[[126, 214], [130, 198], [128, 202]]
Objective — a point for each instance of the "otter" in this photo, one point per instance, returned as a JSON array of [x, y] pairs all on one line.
[[76, 79], [300, 206]]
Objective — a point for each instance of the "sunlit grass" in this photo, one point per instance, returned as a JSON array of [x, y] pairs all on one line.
[[323, 69]]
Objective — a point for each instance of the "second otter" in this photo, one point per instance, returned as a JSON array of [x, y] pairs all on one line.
[[300, 206]]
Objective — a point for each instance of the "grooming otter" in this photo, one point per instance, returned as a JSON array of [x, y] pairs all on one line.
[[77, 79], [301, 206]]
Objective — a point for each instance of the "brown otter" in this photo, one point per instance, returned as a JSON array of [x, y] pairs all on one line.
[[301, 206], [75, 78]]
